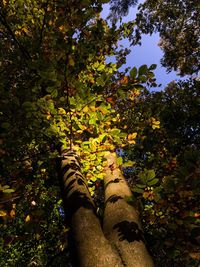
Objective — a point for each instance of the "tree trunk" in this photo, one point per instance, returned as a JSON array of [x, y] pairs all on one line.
[[121, 219], [93, 249]]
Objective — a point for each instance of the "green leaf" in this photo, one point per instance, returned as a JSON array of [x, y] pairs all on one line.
[[140, 185], [151, 74], [120, 161], [153, 67], [142, 177], [115, 132], [129, 163], [8, 191], [138, 190], [102, 138], [100, 81], [142, 70], [92, 121], [146, 175], [49, 89], [54, 93], [101, 67], [5, 125], [142, 78], [150, 174], [153, 182], [27, 105], [133, 73]]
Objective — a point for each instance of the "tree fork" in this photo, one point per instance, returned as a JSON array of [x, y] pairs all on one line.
[[93, 249], [121, 222]]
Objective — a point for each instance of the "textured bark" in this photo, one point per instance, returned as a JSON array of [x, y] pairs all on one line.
[[121, 220], [93, 249]]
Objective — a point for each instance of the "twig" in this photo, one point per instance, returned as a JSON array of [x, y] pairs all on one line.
[[23, 50], [8, 200], [43, 23]]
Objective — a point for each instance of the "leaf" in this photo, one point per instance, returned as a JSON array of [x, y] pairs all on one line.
[[138, 190], [146, 176], [115, 132], [2, 213], [142, 70], [131, 142], [131, 136], [5, 125], [153, 182], [153, 67], [102, 138], [133, 73], [92, 121], [150, 174], [129, 163], [142, 78], [28, 218], [49, 89], [124, 80], [71, 61], [12, 213], [140, 185], [27, 105], [151, 74], [100, 175], [61, 111], [86, 109], [8, 191], [101, 67], [54, 93], [100, 81], [103, 109], [120, 161]]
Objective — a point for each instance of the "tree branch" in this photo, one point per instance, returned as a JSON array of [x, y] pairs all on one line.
[[43, 23], [23, 50]]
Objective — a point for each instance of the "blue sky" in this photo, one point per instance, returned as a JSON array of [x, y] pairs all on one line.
[[148, 53]]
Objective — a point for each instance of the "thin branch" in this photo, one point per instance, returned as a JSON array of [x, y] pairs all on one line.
[[43, 23], [10, 199], [23, 50]]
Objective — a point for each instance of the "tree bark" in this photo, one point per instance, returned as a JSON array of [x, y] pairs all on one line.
[[121, 223], [93, 249]]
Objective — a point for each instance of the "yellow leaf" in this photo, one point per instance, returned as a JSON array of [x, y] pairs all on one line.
[[25, 30], [61, 111], [154, 126], [28, 218], [2, 213], [85, 109], [48, 116], [132, 136], [92, 108], [5, 2], [131, 142]]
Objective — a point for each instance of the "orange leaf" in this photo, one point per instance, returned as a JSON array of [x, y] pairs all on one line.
[[12, 213], [131, 136]]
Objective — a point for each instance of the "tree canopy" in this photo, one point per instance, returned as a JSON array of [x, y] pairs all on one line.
[[176, 22], [65, 110]]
